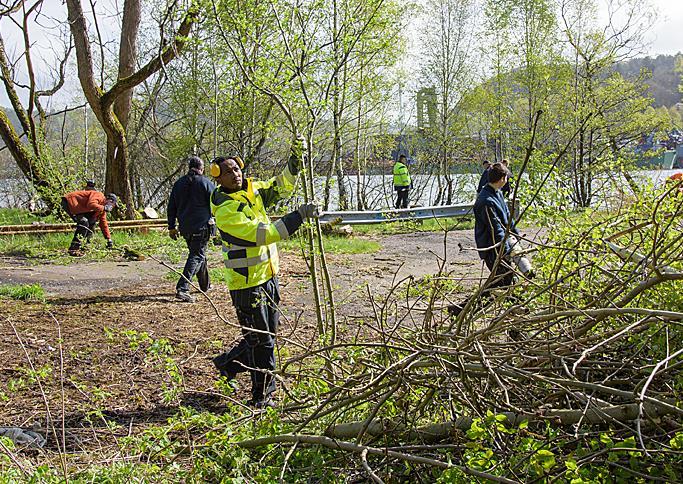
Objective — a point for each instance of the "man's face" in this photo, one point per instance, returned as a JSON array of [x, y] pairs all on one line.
[[109, 205], [231, 175], [200, 168]]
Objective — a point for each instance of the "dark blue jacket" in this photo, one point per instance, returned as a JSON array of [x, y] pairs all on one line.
[[190, 203], [491, 218], [483, 180]]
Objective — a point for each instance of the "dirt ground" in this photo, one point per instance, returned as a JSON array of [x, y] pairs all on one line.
[[130, 354]]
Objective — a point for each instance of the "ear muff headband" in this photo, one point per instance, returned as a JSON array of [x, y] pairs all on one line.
[[216, 165]]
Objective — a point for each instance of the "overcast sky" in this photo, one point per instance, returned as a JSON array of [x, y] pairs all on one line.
[[666, 36]]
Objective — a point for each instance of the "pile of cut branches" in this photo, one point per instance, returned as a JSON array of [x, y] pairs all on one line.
[[570, 374]]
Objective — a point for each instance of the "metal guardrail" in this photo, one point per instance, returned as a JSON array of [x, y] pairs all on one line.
[[351, 218], [395, 215]]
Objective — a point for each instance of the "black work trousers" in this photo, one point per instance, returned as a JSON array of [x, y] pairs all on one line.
[[196, 261], [402, 197], [256, 309], [85, 224], [501, 274]]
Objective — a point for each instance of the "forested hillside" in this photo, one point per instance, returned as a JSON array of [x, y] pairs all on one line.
[[661, 77]]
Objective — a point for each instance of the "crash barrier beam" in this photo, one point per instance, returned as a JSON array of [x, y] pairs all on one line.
[[395, 215]]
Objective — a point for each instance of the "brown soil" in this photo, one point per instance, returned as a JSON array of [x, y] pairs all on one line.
[[101, 311]]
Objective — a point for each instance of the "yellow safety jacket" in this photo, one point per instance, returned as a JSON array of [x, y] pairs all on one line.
[[401, 175], [248, 237]]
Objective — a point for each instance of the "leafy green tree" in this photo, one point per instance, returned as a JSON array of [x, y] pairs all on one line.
[[112, 106], [446, 66], [604, 112], [28, 142]]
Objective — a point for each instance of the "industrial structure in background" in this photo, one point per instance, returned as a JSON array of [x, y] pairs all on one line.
[[665, 154]]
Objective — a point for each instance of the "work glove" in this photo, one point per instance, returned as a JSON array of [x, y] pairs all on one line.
[[110, 244], [308, 210], [173, 233]]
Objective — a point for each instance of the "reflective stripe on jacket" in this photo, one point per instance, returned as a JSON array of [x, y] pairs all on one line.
[[249, 238], [401, 175]]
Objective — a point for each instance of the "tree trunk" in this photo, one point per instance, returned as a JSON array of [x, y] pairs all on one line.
[[112, 108], [22, 156]]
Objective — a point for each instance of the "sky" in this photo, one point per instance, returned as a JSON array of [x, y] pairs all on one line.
[[665, 37]]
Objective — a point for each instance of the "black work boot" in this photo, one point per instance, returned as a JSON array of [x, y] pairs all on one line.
[[184, 296], [262, 403]]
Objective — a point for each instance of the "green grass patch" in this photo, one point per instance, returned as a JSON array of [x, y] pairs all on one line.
[[54, 247], [17, 216], [424, 286], [23, 292]]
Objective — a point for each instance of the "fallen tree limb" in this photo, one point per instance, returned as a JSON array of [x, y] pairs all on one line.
[[561, 417], [351, 447]]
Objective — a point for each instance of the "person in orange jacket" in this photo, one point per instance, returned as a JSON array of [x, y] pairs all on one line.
[[677, 181], [86, 208]]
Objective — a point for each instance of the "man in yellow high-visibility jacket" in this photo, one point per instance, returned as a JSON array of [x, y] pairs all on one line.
[[250, 255], [402, 182]]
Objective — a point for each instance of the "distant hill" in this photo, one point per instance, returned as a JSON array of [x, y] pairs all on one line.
[[663, 85]]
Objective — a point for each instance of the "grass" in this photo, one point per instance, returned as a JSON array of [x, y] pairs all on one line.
[[53, 247], [23, 292], [16, 216]]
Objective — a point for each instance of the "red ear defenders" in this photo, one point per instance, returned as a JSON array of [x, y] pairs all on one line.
[[216, 164]]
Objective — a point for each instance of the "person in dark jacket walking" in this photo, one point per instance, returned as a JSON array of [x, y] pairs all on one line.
[[491, 222], [189, 203], [495, 235]]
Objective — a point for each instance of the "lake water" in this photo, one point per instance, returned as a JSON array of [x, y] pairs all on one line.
[[378, 189]]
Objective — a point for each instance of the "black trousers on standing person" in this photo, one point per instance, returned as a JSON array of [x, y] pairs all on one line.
[[256, 309], [502, 275], [402, 197], [196, 261]]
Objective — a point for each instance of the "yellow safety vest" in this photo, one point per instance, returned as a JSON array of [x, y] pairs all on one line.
[[401, 175], [248, 237]]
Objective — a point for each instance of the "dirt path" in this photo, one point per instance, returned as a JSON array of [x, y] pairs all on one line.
[[401, 256]]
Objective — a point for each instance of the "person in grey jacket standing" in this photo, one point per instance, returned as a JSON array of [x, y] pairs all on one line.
[[189, 203]]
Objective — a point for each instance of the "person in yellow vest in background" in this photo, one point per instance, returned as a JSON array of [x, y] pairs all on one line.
[[402, 183], [250, 255]]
